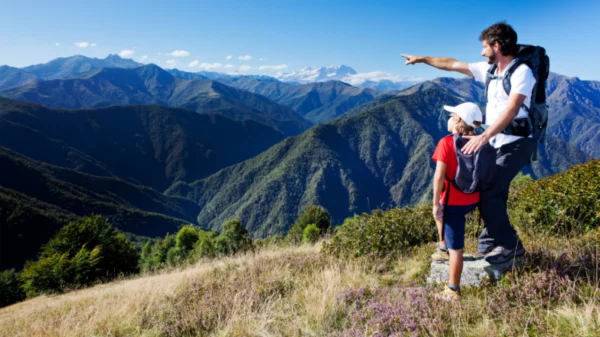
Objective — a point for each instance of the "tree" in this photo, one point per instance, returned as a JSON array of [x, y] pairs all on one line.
[[82, 252], [187, 238], [234, 238], [311, 234], [10, 288], [316, 215]]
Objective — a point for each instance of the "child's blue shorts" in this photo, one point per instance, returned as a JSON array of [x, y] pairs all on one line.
[[454, 225]]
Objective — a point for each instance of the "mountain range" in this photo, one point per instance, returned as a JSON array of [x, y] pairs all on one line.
[[379, 158], [151, 84], [373, 80]]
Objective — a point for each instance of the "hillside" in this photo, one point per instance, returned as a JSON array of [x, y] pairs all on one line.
[[318, 102], [37, 199], [148, 145]]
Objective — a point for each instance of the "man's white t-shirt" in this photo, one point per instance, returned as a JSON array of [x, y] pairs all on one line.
[[521, 81]]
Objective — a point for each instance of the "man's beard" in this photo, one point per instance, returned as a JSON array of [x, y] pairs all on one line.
[[492, 59]]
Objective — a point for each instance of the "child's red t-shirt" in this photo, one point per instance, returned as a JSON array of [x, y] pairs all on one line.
[[445, 153]]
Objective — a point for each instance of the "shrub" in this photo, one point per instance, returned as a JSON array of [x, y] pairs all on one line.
[[383, 233], [233, 239], [186, 238], [10, 288], [316, 215], [82, 252], [311, 234], [205, 247], [565, 203]]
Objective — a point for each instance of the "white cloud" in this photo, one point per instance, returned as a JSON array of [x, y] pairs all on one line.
[[82, 44], [277, 67], [171, 63], [127, 53], [57, 44], [229, 66], [228, 57], [245, 58], [143, 58], [262, 59], [244, 68], [210, 66], [93, 45], [180, 53], [193, 64]]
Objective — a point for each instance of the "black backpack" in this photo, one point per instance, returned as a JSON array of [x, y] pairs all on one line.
[[537, 114], [475, 171]]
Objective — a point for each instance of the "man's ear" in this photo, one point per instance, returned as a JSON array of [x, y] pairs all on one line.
[[496, 46]]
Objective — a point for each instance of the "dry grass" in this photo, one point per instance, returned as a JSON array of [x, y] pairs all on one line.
[[297, 291], [285, 291]]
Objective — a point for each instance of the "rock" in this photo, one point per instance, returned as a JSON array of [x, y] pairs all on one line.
[[475, 270]]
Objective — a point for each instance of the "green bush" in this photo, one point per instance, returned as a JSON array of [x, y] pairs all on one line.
[[234, 238], [311, 234], [562, 204], [383, 233], [10, 288], [82, 252], [316, 215], [205, 247], [186, 238]]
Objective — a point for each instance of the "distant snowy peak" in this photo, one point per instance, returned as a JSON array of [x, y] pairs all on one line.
[[309, 75], [375, 80]]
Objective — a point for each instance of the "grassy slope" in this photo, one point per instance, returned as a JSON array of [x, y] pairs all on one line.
[[299, 292]]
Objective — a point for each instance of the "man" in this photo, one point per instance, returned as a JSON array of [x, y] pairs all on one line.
[[498, 242]]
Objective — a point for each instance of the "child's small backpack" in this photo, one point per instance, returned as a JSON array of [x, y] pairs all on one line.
[[475, 171]]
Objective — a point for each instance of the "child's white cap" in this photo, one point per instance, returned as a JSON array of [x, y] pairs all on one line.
[[468, 112]]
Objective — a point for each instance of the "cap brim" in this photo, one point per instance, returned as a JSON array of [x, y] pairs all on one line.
[[450, 108]]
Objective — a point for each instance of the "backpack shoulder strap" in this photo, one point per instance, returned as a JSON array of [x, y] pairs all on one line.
[[489, 76], [508, 75]]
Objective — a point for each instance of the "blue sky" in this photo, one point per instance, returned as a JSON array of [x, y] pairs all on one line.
[[366, 35]]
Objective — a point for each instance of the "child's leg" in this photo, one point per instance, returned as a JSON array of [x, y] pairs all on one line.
[[456, 267], [454, 229]]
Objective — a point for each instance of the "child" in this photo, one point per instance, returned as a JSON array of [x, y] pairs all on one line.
[[449, 210]]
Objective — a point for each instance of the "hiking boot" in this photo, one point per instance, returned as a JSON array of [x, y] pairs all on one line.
[[448, 295], [480, 254], [501, 255], [440, 255]]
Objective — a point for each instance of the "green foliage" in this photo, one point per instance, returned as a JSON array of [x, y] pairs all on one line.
[[82, 252], [205, 247], [233, 239], [311, 234], [316, 215], [567, 203], [187, 238], [10, 288], [383, 233], [563, 204]]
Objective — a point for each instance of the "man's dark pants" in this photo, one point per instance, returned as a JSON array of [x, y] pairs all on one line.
[[497, 231]]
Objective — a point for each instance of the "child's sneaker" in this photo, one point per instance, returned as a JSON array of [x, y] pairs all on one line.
[[440, 255], [448, 295]]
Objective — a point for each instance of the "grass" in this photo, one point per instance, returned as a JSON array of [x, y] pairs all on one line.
[[297, 291]]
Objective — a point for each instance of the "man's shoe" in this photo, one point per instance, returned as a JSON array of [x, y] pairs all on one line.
[[448, 295], [501, 255], [440, 255], [482, 254]]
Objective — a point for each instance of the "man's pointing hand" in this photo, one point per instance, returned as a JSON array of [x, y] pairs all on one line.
[[410, 59]]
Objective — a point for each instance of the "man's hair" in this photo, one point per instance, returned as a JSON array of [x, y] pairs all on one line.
[[502, 33]]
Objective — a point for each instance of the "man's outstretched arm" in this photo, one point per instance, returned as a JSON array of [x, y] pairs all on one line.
[[443, 63]]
